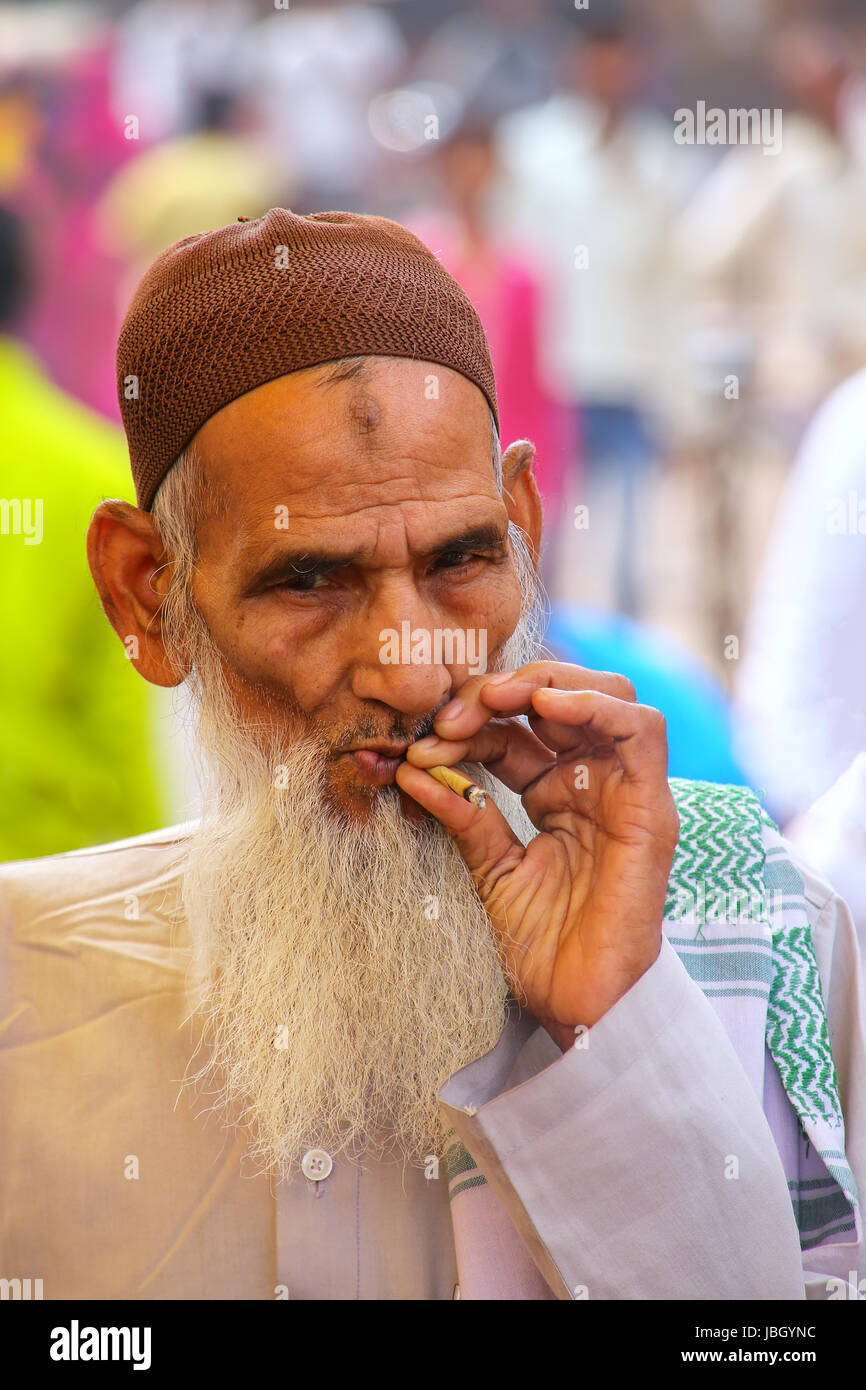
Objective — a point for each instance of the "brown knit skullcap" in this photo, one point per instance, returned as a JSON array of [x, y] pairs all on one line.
[[220, 313]]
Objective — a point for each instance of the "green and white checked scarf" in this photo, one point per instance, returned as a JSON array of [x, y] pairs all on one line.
[[736, 915], [748, 945]]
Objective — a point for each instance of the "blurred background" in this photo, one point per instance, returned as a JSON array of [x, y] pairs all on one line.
[[676, 307]]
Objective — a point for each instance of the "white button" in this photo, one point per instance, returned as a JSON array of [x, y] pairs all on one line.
[[316, 1164]]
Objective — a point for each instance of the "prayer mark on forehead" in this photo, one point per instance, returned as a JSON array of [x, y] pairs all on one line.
[[363, 409], [366, 413]]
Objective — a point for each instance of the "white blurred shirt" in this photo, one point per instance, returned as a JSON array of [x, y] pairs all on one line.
[[832, 838], [311, 73], [801, 695], [610, 326], [783, 238]]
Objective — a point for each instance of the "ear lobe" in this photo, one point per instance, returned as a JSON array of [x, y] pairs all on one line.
[[126, 555]]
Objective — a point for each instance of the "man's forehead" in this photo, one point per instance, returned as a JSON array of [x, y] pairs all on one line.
[[327, 443]]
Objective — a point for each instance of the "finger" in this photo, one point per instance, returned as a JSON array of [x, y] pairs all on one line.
[[510, 751], [638, 733], [483, 836], [568, 738], [510, 693], [574, 786], [565, 738]]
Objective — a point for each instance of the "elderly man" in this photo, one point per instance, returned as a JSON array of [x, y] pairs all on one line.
[[352, 1035]]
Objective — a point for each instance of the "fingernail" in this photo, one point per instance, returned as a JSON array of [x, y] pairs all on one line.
[[451, 710], [500, 679], [426, 742]]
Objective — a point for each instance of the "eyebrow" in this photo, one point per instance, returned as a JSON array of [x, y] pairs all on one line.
[[288, 564]]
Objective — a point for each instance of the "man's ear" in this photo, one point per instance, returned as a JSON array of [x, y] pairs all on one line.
[[522, 497], [129, 568]]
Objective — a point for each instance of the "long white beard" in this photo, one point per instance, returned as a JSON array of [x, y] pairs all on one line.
[[343, 970]]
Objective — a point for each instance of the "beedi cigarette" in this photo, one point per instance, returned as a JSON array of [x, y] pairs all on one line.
[[470, 791]]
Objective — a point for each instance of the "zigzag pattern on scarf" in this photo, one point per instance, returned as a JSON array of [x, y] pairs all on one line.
[[797, 1029], [719, 861], [720, 857]]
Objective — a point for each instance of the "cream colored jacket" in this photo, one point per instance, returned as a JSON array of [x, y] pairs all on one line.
[[603, 1163]]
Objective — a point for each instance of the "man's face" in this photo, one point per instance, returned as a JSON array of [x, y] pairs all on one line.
[[320, 900], [348, 509]]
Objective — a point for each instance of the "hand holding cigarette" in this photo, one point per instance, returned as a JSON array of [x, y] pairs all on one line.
[[577, 911]]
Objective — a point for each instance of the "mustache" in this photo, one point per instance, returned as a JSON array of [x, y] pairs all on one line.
[[400, 730]]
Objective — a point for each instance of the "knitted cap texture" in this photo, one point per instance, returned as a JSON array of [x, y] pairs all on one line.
[[221, 313]]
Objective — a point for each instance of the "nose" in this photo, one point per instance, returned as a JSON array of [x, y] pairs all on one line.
[[386, 671]]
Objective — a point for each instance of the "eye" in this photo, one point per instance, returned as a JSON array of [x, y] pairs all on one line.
[[448, 561], [303, 583]]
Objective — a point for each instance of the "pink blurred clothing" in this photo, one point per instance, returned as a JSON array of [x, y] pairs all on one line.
[[506, 292], [72, 321]]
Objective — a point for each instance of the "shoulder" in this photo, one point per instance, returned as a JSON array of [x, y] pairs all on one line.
[[88, 933], [714, 798], [792, 880], [60, 884]]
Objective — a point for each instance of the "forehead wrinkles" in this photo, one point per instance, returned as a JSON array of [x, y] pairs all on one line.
[[270, 458], [351, 485], [391, 534], [323, 505], [312, 477]]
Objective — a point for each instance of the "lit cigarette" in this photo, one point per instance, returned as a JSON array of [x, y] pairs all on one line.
[[459, 784]]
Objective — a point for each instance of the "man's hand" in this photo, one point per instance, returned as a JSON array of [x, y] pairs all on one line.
[[577, 912]]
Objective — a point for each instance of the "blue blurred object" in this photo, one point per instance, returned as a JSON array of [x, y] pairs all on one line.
[[665, 675]]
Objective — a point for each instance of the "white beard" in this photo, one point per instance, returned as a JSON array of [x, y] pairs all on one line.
[[343, 970]]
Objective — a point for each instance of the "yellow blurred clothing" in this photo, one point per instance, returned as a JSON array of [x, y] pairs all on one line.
[[76, 748], [186, 186]]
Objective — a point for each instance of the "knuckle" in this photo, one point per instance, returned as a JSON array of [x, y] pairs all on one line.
[[613, 683], [566, 675], [535, 670], [654, 721], [624, 689], [470, 688]]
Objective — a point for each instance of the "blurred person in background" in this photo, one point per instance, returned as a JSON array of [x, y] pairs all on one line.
[[506, 291], [800, 705], [310, 72], [220, 170], [76, 727], [61, 146], [497, 55], [590, 181], [169, 52], [781, 238]]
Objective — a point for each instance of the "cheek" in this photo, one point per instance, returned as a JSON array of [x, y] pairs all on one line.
[[271, 656], [501, 612], [258, 650], [296, 656]]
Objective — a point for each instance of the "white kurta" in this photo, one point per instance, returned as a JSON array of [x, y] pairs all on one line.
[[605, 1164]]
